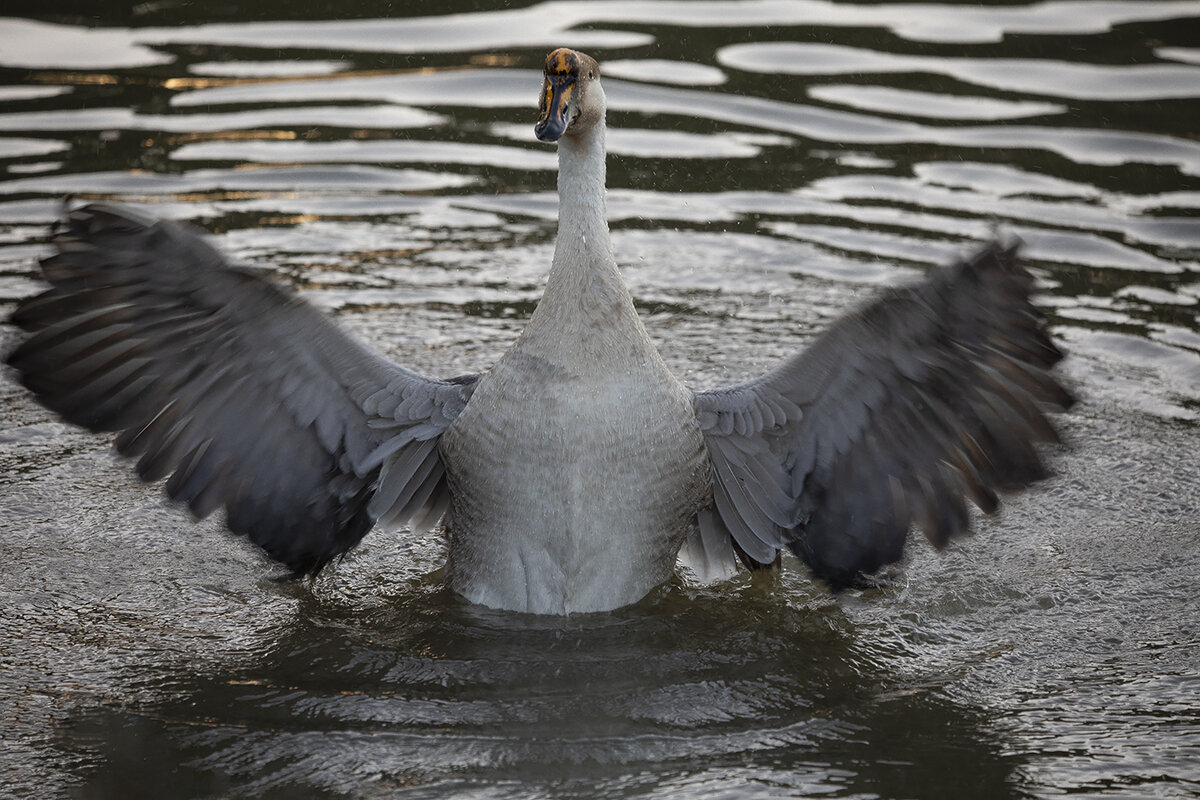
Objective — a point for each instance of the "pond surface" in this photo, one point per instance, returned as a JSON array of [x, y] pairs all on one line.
[[771, 165]]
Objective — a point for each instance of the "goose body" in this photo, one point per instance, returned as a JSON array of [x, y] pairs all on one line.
[[612, 465], [591, 517], [569, 475]]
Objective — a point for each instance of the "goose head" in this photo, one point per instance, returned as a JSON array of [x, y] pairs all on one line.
[[572, 101]]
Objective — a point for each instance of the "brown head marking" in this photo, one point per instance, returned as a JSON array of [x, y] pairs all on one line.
[[561, 62], [567, 76]]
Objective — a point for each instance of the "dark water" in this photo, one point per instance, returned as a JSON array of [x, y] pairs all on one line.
[[771, 164]]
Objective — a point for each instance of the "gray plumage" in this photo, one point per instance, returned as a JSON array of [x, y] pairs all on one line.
[[570, 475], [245, 395], [929, 395]]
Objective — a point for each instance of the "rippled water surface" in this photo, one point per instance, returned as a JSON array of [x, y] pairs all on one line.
[[771, 164]]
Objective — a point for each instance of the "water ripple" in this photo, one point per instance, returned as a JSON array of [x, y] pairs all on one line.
[[267, 69], [573, 24], [344, 177], [389, 117], [377, 151], [1052, 653], [657, 70], [16, 147], [904, 102], [1070, 80], [506, 88]]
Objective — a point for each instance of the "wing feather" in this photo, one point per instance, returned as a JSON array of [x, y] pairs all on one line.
[[930, 395], [244, 394]]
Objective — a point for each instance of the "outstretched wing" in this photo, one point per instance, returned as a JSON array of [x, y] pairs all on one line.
[[248, 396], [928, 395]]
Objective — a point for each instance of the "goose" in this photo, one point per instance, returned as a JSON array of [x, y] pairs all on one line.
[[576, 473]]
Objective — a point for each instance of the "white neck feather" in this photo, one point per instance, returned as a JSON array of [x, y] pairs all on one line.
[[586, 311], [582, 214]]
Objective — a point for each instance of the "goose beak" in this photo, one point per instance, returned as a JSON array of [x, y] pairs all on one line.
[[555, 109]]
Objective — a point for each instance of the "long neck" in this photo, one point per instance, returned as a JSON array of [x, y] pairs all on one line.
[[582, 212], [583, 247], [586, 316]]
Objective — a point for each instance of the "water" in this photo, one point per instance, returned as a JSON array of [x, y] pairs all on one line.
[[771, 165]]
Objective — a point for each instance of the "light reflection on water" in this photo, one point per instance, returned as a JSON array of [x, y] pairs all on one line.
[[771, 164]]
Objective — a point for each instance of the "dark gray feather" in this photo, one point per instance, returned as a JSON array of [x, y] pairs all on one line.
[[247, 396], [930, 395]]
